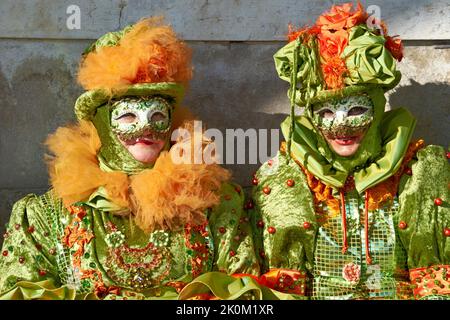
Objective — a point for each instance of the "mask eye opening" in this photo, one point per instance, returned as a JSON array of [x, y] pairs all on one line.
[[357, 111], [325, 113], [158, 116], [127, 117]]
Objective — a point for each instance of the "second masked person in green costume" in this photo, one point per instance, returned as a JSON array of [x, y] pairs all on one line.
[[351, 207]]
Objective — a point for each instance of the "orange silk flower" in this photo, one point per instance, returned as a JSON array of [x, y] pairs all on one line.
[[342, 17], [332, 44], [333, 71]]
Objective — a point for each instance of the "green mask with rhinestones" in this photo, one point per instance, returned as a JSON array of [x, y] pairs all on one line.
[[152, 116], [132, 117], [344, 117]]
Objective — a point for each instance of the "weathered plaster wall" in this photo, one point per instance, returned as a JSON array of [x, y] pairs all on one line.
[[235, 85]]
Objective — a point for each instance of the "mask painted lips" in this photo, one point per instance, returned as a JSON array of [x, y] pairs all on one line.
[[345, 141], [144, 140]]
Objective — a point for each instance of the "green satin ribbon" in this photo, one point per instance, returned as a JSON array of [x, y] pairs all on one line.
[[42, 290], [226, 287], [100, 201], [368, 60], [378, 157]]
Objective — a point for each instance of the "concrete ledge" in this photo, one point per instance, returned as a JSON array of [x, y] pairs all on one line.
[[216, 20]]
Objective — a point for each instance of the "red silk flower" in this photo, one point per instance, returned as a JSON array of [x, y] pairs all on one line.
[[395, 46]]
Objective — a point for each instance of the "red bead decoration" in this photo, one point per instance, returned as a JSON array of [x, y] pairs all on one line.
[[30, 229], [266, 190], [270, 162], [17, 226], [237, 189], [271, 230], [402, 225], [306, 225], [408, 171], [21, 259], [250, 204], [447, 232], [262, 254], [260, 224], [5, 253], [255, 181], [290, 183], [448, 154], [42, 273], [438, 201], [222, 230], [232, 253]]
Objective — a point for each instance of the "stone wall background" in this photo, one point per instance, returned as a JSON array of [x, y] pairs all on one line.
[[234, 86]]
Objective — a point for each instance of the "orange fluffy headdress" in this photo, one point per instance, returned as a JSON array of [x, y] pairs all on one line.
[[148, 52]]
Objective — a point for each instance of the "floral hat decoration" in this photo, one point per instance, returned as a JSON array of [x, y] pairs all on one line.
[[338, 56]]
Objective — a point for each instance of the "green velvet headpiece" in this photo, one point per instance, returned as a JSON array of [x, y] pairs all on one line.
[[368, 64]]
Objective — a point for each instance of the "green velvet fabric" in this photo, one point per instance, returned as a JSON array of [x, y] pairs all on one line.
[[285, 209], [317, 249], [109, 39], [40, 265], [424, 236], [378, 157]]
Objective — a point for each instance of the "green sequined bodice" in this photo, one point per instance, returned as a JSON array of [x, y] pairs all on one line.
[[338, 275]]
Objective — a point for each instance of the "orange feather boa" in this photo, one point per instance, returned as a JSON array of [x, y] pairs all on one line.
[[167, 196]]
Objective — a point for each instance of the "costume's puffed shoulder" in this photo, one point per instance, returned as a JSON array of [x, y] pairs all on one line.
[[28, 262], [233, 242], [424, 215], [282, 203]]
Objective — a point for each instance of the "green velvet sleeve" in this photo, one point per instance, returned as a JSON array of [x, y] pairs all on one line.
[[28, 268], [425, 213], [279, 212], [424, 237], [233, 242]]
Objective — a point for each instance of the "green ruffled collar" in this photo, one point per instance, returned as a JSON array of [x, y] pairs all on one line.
[[396, 128]]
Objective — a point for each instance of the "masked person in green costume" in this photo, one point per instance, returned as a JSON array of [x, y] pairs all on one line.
[[125, 219], [350, 208]]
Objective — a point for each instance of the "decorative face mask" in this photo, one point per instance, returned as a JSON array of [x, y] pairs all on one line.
[[344, 118], [134, 117]]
